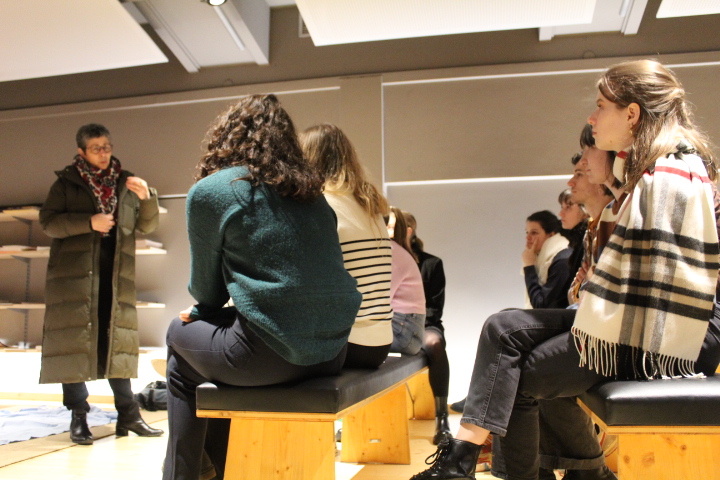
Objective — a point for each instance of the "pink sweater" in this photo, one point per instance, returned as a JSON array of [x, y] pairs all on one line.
[[406, 287]]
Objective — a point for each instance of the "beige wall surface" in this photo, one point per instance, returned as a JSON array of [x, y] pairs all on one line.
[[523, 120], [158, 138], [485, 127]]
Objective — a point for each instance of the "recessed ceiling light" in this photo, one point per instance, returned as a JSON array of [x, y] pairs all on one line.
[[215, 3]]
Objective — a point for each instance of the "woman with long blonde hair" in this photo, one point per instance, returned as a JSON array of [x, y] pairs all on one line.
[[359, 207]]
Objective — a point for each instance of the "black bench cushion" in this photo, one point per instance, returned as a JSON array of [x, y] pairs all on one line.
[[681, 402], [317, 395]]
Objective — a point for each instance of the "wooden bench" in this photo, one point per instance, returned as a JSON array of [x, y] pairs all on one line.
[[287, 431], [667, 429]]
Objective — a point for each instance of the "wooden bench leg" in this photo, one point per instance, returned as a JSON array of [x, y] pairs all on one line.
[[280, 450], [668, 457], [421, 402], [378, 432]]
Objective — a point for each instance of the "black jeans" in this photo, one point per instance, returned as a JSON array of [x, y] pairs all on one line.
[[528, 357], [223, 351], [75, 397]]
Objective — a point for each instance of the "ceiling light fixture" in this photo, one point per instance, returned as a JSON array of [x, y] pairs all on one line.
[[215, 3]]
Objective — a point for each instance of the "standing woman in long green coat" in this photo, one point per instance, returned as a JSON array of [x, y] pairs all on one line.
[[90, 329]]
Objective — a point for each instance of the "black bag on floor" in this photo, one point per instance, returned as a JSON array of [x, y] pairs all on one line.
[[153, 397]]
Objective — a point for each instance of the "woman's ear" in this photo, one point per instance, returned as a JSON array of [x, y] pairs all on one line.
[[633, 111]]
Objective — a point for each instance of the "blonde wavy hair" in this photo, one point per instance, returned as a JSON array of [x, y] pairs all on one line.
[[331, 153]]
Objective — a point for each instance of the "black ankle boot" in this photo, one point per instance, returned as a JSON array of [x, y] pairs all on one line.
[[458, 406], [453, 459], [600, 473], [79, 430], [442, 428], [136, 425]]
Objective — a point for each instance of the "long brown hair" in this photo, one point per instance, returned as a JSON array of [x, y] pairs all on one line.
[[329, 151], [258, 133], [415, 242], [665, 118], [400, 235]]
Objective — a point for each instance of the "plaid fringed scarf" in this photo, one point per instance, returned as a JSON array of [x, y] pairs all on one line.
[[645, 311]]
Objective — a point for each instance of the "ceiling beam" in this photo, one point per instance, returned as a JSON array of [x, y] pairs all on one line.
[[631, 25], [165, 32], [251, 21]]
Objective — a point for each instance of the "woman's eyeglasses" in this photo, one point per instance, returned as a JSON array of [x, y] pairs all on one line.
[[95, 149]]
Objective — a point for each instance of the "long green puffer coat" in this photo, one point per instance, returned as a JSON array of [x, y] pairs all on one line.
[[70, 332]]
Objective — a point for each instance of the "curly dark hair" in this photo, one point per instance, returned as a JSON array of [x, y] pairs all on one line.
[[257, 133]]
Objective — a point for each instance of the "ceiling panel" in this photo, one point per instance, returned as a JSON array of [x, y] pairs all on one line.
[[687, 8], [333, 22], [43, 38], [199, 28]]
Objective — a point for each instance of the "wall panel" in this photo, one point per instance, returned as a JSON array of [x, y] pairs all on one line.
[[478, 230]]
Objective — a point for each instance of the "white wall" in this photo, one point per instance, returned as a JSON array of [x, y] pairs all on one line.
[[478, 229]]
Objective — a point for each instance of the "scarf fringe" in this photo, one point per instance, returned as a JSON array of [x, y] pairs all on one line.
[[614, 360]]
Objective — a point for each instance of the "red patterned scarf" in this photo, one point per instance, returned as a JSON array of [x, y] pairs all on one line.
[[103, 183]]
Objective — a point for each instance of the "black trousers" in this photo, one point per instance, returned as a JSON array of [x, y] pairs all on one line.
[[525, 358], [75, 397], [224, 351]]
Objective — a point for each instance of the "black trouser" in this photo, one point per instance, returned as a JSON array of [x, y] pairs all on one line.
[[528, 356], [75, 397], [228, 352], [362, 356], [105, 300]]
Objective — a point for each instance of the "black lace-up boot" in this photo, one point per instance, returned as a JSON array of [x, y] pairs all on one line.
[[453, 459]]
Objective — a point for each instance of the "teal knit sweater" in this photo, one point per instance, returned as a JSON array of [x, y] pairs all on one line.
[[278, 259]]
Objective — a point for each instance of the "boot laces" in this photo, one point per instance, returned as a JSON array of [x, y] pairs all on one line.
[[442, 449]]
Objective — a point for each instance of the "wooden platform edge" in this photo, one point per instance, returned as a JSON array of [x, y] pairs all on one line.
[[52, 397], [301, 416], [650, 429]]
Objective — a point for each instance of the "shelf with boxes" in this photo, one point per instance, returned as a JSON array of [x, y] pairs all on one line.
[[29, 215]]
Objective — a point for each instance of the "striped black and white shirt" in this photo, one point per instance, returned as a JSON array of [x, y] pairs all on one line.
[[367, 255]]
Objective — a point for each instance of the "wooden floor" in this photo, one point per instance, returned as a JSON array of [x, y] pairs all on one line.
[[133, 457]]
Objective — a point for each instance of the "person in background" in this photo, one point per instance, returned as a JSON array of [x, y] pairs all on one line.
[[261, 234], [434, 345], [545, 262], [407, 296], [558, 450], [595, 196], [571, 214], [359, 207], [574, 221], [92, 213]]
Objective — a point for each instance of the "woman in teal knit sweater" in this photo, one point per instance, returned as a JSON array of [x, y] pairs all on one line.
[[262, 235]]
